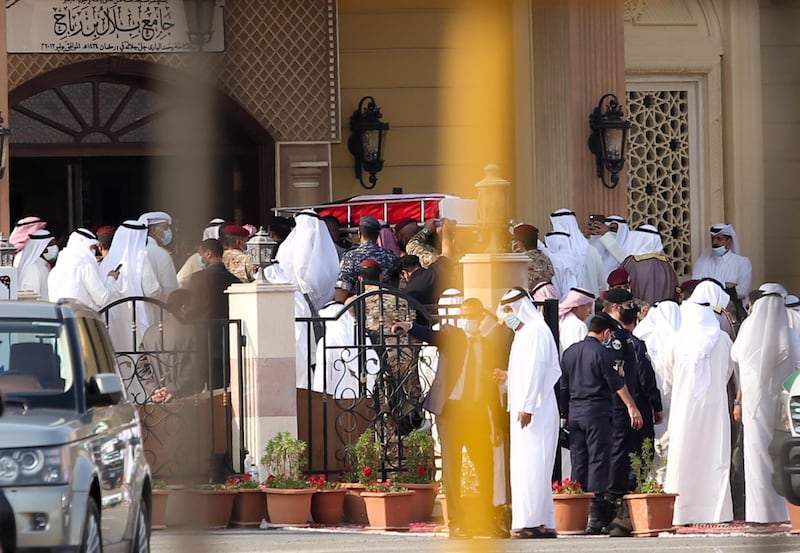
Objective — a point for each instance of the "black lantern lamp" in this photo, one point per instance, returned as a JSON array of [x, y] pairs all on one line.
[[609, 138], [199, 21], [5, 133], [261, 248], [7, 252], [367, 140]]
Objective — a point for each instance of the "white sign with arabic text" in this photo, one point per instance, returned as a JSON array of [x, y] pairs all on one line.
[[104, 26]]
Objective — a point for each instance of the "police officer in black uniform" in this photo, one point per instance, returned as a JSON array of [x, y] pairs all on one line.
[[634, 364], [589, 380]]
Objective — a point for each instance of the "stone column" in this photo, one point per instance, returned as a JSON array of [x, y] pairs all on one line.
[[267, 315], [569, 53]]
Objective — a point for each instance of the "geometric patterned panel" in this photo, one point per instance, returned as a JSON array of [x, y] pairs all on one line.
[[658, 169], [279, 64], [77, 113]]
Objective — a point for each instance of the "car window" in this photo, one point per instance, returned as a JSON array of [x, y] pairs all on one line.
[[94, 358], [35, 362]]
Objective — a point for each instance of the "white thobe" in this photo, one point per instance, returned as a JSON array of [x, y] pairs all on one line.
[[337, 370], [725, 268], [35, 278], [189, 268], [699, 457], [163, 267], [571, 331], [611, 253], [595, 278], [84, 283], [532, 373], [762, 502], [120, 317]]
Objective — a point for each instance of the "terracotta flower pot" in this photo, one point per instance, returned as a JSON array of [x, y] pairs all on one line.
[[327, 506], [211, 509], [354, 510], [249, 507], [289, 507], [651, 513], [388, 511], [178, 510], [424, 499], [158, 515], [572, 512]]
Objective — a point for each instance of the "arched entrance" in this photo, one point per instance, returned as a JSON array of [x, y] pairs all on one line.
[[91, 139]]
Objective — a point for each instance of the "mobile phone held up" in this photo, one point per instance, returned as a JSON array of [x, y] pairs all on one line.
[[597, 218]]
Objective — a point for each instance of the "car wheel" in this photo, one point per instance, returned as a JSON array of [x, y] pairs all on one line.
[[141, 539], [92, 541]]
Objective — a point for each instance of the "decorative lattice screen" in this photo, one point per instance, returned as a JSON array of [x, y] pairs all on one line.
[[658, 162]]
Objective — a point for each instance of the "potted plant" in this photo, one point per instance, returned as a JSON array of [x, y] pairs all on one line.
[[362, 460], [288, 495], [388, 505], [158, 513], [327, 504], [418, 447], [210, 505], [249, 505], [650, 506], [571, 506]]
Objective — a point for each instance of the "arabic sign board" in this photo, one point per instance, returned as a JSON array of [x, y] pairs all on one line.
[[103, 26]]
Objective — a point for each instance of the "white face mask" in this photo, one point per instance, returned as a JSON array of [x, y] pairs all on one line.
[[511, 321], [472, 326], [50, 253]]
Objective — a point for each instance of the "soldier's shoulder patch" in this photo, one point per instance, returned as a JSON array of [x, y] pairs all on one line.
[[616, 344]]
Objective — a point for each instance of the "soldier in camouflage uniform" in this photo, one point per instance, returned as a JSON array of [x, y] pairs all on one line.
[[540, 268], [401, 393], [347, 281], [236, 260]]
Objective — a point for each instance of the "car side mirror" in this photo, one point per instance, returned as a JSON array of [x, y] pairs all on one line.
[[103, 390]]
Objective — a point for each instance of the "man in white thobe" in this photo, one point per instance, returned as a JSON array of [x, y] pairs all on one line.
[[767, 352], [609, 237], [568, 270], [576, 308], [76, 274], [698, 367], [308, 257], [533, 371], [137, 278], [159, 236], [723, 262], [594, 277], [657, 331], [33, 263]]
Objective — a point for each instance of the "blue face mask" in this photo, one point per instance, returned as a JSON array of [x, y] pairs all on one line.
[[720, 250], [511, 321], [613, 233], [166, 238]]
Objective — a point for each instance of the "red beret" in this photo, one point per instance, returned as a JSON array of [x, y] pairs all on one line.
[[524, 228], [229, 229], [618, 277], [688, 286], [370, 263]]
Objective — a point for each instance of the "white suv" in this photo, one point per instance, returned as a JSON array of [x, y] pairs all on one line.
[[73, 476]]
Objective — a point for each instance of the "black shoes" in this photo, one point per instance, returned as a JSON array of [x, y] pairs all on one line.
[[533, 533], [458, 533]]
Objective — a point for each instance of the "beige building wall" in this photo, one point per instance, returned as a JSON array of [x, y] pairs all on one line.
[[780, 79], [712, 47], [440, 71]]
